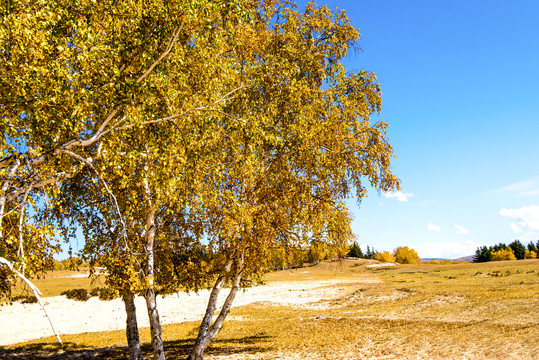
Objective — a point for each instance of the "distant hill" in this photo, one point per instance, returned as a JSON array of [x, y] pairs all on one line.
[[429, 259], [464, 258]]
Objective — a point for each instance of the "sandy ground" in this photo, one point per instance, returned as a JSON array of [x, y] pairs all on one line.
[[22, 322]]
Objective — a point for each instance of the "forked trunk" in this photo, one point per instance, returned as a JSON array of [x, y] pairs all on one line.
[[131, 329], [206, 332]]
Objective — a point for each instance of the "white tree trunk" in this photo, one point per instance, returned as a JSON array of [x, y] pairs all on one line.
[[206, 332], [151, 303], [155, 325], [131, 329]]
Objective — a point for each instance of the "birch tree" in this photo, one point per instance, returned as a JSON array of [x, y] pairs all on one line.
[[271, 167], [304, 141], [160, 126]]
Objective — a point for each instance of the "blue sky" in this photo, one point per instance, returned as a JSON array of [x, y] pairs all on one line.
[[461, 94]]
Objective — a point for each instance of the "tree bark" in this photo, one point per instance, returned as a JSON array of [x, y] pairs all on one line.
[[155, 325], [206, 332], [151, 303], [3, 192], [131, 329], [212, 303]]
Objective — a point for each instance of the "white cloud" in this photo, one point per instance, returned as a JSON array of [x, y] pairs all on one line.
[[527, 220], [527, 216], [399, 196], [446, 250], [433, 227], [516, 229], [461, 229], [527, 187]]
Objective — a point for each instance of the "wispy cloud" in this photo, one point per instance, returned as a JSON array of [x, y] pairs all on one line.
[[398, 195], [461, 229], [433, 227], [526, 220], [526, 187], [516, 229]]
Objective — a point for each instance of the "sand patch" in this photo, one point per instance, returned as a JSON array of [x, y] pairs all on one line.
[[23, 322]]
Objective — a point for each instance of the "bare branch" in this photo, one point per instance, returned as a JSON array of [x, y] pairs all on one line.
[[36, 293], [12, 210], [105, 185], [201, 108], [7, 161], [20, 251], [36, 185], [9, 176], [165, 53], [5, 186]]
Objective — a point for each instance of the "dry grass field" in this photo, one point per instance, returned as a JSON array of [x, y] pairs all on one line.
[[56, 282], [462, 311]]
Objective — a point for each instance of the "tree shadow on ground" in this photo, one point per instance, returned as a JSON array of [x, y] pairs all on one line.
[[176, 349]]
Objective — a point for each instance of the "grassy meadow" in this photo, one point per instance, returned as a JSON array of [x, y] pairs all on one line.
[[460, 311], [54, 283]]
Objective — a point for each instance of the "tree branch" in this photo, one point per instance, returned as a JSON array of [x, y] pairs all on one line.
[[36, 293], [105, 185], [201, 108], [5, 186], [165, 53], [36, 185]]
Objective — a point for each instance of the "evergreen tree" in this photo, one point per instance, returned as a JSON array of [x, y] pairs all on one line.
[[482, 254], [371, 253], [355, 251], [518, 249], [498, 247]]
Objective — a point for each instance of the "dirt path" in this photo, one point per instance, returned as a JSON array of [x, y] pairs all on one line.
[[22, 322]]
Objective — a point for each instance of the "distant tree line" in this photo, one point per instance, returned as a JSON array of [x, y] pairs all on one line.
[[514, 251], [402, 254], [355, 251]]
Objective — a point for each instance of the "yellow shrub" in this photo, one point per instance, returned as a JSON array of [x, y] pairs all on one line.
[[405, 255], [530, 254], [503, 254], [385, 256]]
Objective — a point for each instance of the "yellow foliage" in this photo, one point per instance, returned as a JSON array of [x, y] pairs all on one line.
[[530, 254], [385, 256], [503, 254], [405, 255]]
